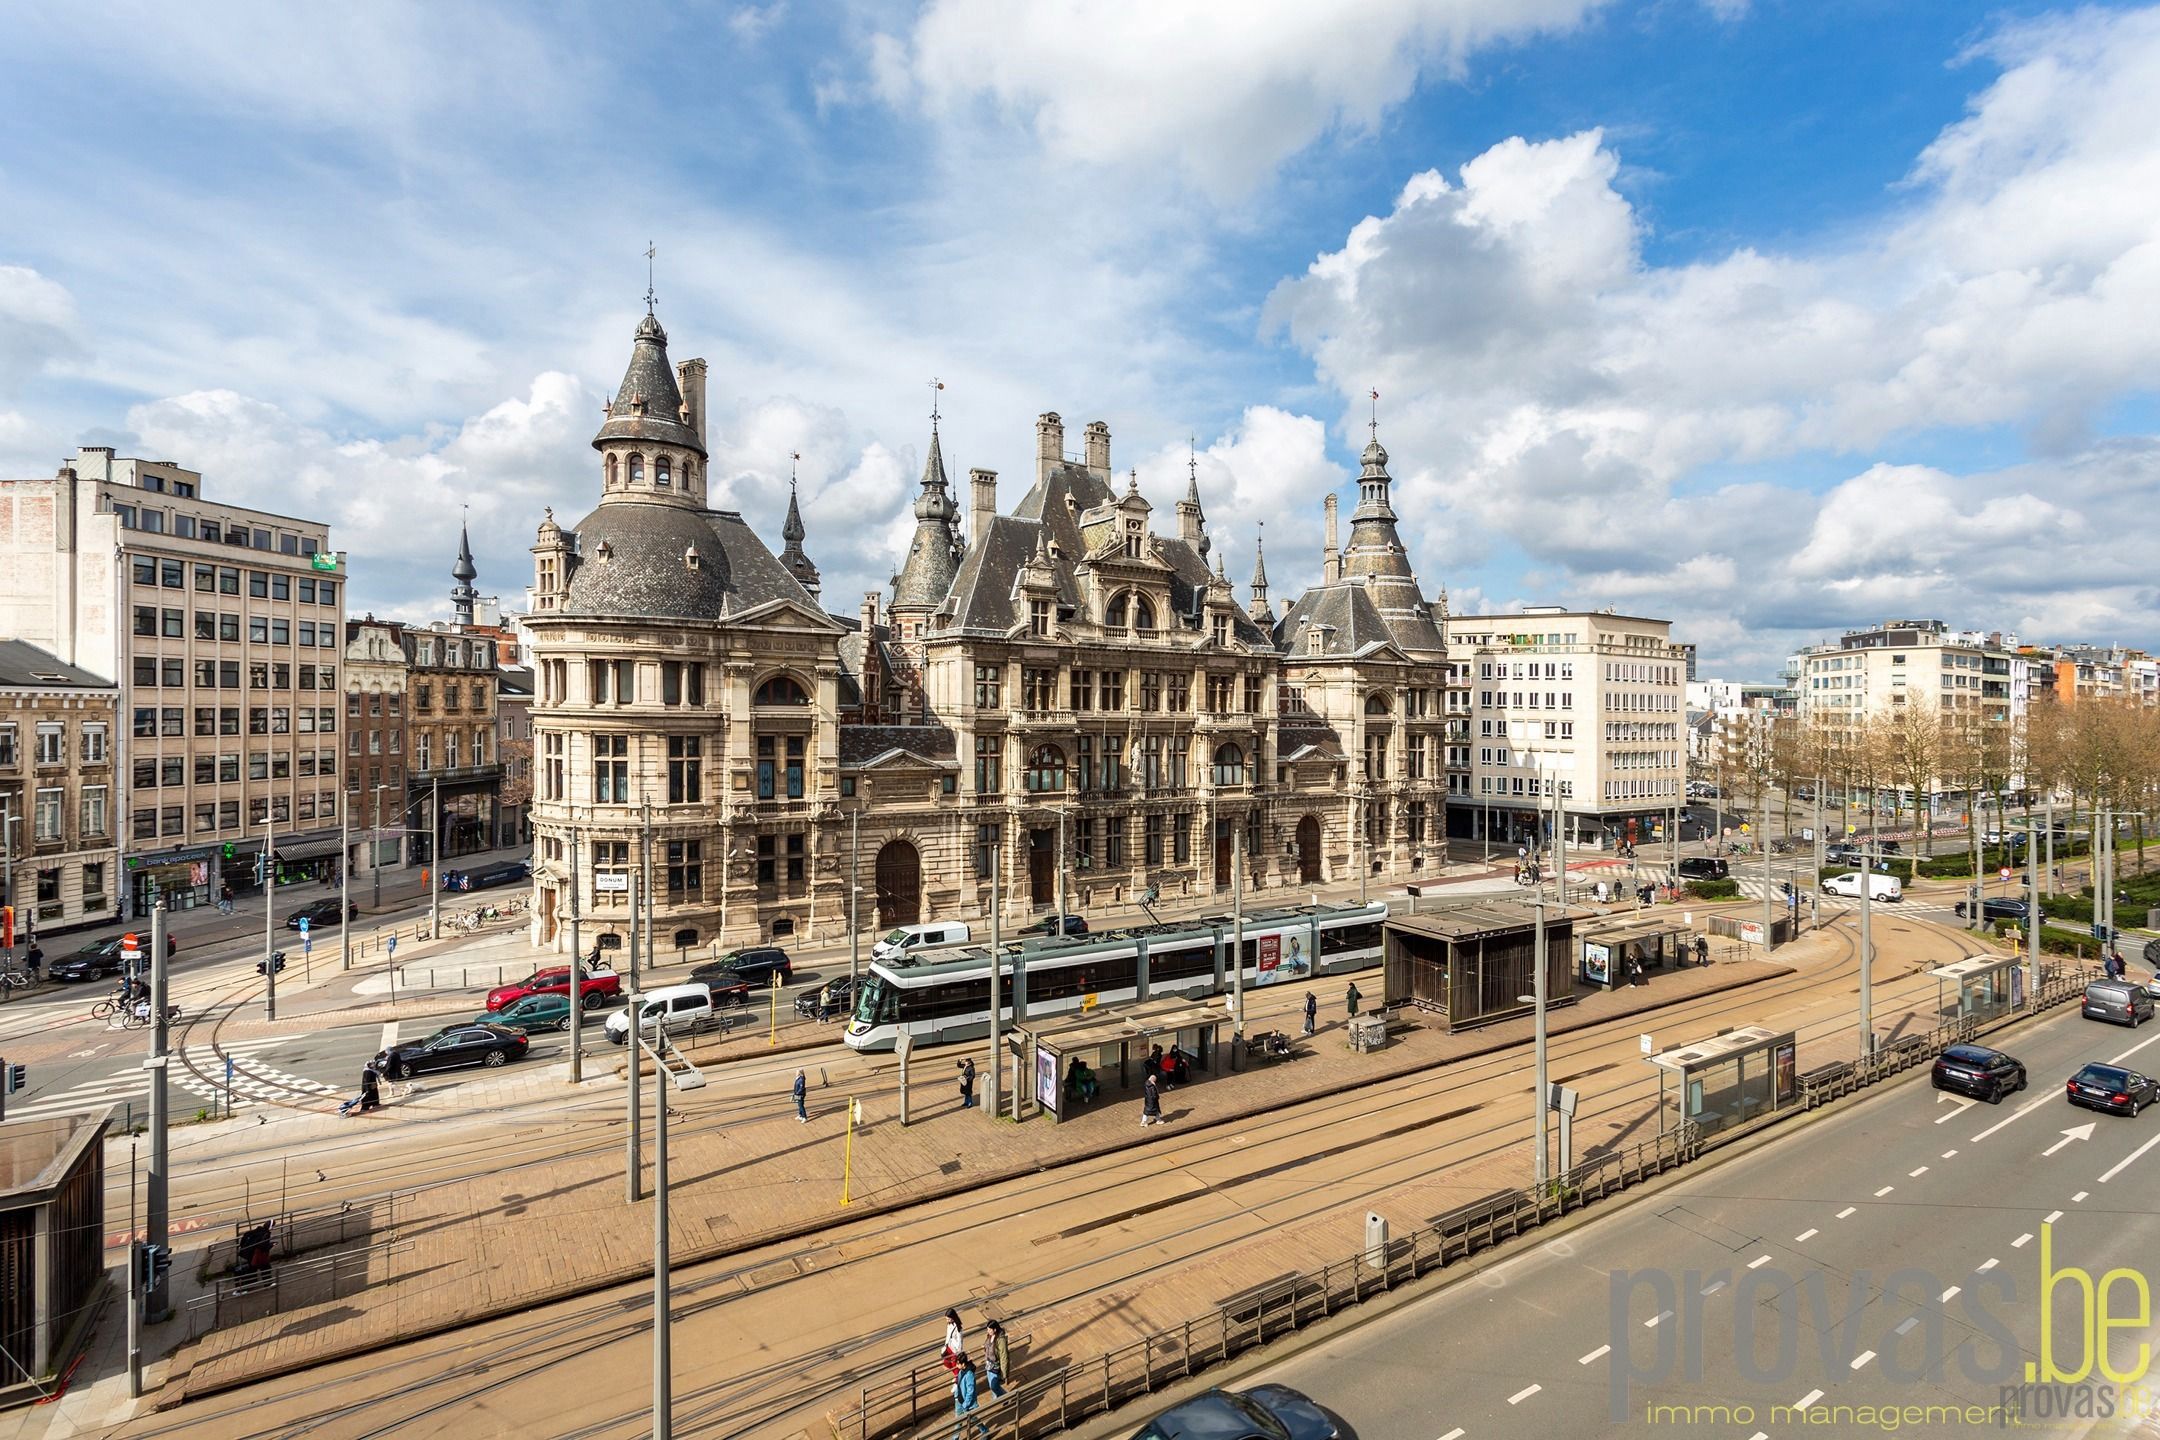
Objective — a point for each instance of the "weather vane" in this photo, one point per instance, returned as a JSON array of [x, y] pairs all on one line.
[[935, 386], [1375, 426], [1192, 456], [650, 251]]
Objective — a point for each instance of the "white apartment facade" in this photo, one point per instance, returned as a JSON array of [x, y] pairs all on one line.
[[223, 626], [1907, 663], [1589, 703]]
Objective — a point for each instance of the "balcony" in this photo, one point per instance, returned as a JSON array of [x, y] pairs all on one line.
[[1052, 718]]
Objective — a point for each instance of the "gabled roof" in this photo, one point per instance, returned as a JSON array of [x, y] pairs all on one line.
[[867, 747]]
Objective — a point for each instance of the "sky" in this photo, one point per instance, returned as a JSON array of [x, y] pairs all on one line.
[[1773, 319]]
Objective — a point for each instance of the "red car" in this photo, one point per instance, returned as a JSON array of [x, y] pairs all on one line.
[[602, 987]]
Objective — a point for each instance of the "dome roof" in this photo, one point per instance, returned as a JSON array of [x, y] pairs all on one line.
[[634, 562], [648, 406]]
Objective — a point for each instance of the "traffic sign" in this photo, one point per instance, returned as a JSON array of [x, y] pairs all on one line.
[[2005, 872], [305, 923], [130, 947]]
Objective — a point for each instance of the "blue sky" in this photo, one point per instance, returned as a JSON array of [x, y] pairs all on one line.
[[1771, 318]]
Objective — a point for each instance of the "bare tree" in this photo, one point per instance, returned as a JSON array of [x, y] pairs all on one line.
[[1914, 735]]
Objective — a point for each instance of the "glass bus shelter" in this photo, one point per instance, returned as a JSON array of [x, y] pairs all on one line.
[[1733, 1077]]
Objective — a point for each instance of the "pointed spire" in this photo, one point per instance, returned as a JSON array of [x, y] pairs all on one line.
[[464, 572], [1259, 562], [934, 556], [791, 530]]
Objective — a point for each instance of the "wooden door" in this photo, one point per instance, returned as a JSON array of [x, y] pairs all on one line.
[[1308, 850], [899, 885]]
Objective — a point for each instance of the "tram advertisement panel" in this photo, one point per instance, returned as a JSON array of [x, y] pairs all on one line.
[[1270, 958]]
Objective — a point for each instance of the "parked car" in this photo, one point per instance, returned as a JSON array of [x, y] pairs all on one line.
[[546, 1011], [686, 1008], [1265, 1412], [94, 961], [728, 987], [319, 914], [454, 1046], [2117, 1001], [1703, 867], [2111, 1088], [599, 987], [905, 944], [487, 877], [838, 998], [758, 964], [1978, 1071], [1996, 908], [1879, 887], [1889, 847], [1056, 925]]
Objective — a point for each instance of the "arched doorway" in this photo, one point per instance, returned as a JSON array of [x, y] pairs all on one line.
[[1308, 850], [899, 884]]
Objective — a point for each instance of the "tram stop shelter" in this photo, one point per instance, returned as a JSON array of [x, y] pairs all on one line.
[[1733, 1077], [52, 1245], [1113, 1044], [1984, 987], [1604, 948], [1473, 963]]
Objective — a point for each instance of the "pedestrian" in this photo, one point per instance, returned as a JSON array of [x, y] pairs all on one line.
[[1312, 1010], [172, 945], [967, 1083], [955, 1341], [1353, 998], [964, 1401], [1634, 972], [1151, 1099], [997, 1358], [1702, 950], [802, 1091]]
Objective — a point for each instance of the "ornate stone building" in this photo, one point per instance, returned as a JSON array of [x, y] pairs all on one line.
[[1069, 693]]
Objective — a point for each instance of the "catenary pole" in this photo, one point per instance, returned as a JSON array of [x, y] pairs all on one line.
[[344, 836], [663, 1308], [996, 1066], [158, 1232], [577, 962], [269, 871]]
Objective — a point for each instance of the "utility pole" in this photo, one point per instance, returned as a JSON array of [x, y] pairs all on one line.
[[1362, 847], [344, 850], [1867, 951], [1061, 870], [269, 883], [577, 973], [635, 1039], [1559, 840], [160, 1302], [134, 1289], [434, 870], [2032, 913], [1815, 877], [2047, 876], [1769, 897], [1537, 998], [1237, 940], [854, 900], [645, 896], [996, 945], [663, 1309]]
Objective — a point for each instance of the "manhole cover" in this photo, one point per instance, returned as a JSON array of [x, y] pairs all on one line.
[[950, 1167]]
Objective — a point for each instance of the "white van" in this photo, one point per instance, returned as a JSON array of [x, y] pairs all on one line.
[[686, 1008], [906, 944], [1880, 887]]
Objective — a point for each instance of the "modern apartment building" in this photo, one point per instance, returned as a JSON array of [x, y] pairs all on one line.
[[1590, 703], [223, 627], [59, 825], [1906, 663]]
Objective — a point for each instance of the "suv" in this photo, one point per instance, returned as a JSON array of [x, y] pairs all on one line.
[[758, 964], [1057, 925], [1703, 867], [598, 986], [1979, 1072], [487, 877], [728, 987], [321, 913]]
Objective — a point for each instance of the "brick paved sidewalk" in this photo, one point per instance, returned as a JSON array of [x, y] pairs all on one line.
[[469, 1246]]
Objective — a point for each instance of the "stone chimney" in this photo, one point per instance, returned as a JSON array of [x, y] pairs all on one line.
[[1098, 448], [869, 613], [1049, 441], [690, 379], [1287, 607], [1330, 556], [982, 494]]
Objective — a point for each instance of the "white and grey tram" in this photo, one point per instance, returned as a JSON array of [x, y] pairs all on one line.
[[950, 999]]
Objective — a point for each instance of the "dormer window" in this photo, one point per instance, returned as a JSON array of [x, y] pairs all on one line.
[[1222, 630], [1039, 617]]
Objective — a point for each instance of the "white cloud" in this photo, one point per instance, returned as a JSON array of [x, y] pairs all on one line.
[[1222, 95], [1544, 383], [37, 325]]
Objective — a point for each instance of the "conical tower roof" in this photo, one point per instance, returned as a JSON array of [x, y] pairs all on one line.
[[647, 405], [933, 557], [464, 570]]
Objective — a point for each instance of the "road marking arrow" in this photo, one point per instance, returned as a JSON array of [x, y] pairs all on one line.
[[1960, 1101], [81, 1054], [2075, 1132]]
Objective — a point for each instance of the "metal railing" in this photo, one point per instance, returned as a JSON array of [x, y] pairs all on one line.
[[920, 1402]]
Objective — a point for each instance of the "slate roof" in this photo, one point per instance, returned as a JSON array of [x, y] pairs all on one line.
[[645, 574], [934, 555], [1355, 623], [862, 745], [647, 406], [1305, 737], [24, 664]]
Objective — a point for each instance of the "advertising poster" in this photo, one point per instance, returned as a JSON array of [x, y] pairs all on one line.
[[1046, 1079], [1788, 1077], [1270, 959], [1596, 963]]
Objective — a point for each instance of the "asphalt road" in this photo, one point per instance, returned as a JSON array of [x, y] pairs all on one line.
[[1888, 1256]]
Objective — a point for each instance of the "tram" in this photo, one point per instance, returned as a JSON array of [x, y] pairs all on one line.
[[950, 999]]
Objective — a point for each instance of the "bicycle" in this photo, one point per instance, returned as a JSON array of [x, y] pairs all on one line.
[[15, 980], [103, 1009]]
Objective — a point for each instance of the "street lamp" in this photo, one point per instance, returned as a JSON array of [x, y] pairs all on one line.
[[686, 1078], [1537, 999], [269, 884]]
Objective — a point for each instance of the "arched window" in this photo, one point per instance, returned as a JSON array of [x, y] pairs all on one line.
[[780, 690], [1229, 765], [689, 474], [1120, 608], [611, 476], [1376, 704], [637, 469], [660, 473], [1046, 769], [1143, 614]]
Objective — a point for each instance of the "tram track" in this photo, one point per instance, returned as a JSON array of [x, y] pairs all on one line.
[[748, 1398]]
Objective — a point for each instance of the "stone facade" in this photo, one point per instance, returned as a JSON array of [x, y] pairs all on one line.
[[1068, 694], [59, 805], [377, 743]]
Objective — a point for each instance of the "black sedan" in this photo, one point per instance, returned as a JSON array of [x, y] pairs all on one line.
[[454, 1046], [1978, 1071], [1057, 925], [835, 998], [1265, 1412], [94, 961], [2112, 1088], [319, 914], [1997, 909]]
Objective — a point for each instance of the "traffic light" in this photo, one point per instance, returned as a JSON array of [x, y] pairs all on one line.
[[18, 1077], [157, 1264]]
